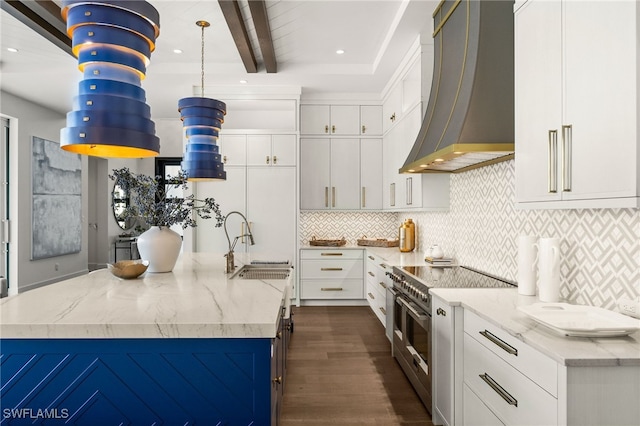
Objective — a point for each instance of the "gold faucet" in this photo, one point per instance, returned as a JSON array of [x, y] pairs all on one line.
[[230, 264]]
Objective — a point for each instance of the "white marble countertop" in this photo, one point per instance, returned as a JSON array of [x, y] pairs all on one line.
[[197, 299], [499, 307]]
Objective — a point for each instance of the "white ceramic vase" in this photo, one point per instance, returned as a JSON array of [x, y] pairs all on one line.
[[160, 245]]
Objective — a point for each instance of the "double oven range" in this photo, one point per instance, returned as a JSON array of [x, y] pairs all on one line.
[[411, 335]]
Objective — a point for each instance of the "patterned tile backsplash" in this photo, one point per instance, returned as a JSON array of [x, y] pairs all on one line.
[[600, 248]]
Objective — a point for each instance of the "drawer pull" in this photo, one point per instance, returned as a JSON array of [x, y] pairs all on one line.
[[383, 310], [331, 289], [383, 285], [499, 390], [371, 296], [499, 342], [371, 273], [441, 312], [371, 257], [331, 269], [330, 254], [383, 266]]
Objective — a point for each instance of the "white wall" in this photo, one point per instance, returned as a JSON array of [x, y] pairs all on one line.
[[26, 120]]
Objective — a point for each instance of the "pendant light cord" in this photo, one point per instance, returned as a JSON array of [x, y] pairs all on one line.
[[202, 64]]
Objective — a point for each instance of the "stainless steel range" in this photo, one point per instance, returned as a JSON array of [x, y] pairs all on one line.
[[412, 315]]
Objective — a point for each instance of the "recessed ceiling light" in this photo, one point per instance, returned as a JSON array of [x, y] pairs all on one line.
[[243, 81], [12, 49], [339, 51], [177, 51]]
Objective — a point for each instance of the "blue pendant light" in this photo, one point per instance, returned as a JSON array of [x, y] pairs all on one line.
[[202, 119], [113, 41]]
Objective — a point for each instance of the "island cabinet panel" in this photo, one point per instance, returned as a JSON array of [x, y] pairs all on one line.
[[137, 381]]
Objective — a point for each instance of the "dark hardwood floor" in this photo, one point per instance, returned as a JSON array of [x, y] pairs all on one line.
[[340, 372]]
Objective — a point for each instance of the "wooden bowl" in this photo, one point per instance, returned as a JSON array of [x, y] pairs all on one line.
[[128, 269]]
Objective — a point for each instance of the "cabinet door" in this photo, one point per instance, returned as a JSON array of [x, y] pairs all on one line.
[[314, 119], [271, 209], [370, 176], [476, 413], [230, 195], [412, 86], [259, 150], [600, 86], [443, 358], [392, 108], [538, 98], [345, 174], [345, 120], [371, 120], [233, 149], [314, 174], [408, 187], [283, 150]]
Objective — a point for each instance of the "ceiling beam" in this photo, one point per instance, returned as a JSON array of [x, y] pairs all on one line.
[[258, 10], [233, 16], [42, 16]]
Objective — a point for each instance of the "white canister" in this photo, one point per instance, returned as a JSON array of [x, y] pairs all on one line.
[[549, 269], [527, 265]]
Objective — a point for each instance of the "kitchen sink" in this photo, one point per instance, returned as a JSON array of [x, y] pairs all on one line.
[[262, 272]]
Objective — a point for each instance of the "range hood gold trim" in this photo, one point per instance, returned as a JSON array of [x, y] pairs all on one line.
[[499, 152], [446, 17]]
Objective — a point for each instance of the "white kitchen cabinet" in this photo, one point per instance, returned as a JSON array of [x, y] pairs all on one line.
[[410, 191], [576, 104], [233, 149], [231, 196], [392, 108], [330, 119], [371, 164], [475, 409], [330, 175], [376, 285], [271, 150], [371, 120], [331, 274], [447, 362]]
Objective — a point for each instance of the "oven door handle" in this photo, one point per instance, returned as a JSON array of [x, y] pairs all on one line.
[[422, 319]]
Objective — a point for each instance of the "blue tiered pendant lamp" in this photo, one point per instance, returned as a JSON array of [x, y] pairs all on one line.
[[113, 41], [202, 119]]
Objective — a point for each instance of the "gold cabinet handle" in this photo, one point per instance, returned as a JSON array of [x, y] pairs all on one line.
[[331, 254], [393, 117], [267, 159], [333, 128], [224, 159], [279, 335], [326, 196], [392, 194], [409, 197], [275, 159], [383, 266], [383, 310], [326, 129], [277, 380], [333, 196], [331, 269], [364, 197], [499, 389], [567, 143], [499, 342], [371, 257], [364, 129], [331, 289], [371, 296], [553, 161], [383, 285], [371, 273]]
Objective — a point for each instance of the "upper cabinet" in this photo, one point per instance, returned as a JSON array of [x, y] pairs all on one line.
[[271, 150], [341, 120], [576, 104]]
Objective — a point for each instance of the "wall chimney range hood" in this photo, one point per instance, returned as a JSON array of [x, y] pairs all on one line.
[[469, 121]]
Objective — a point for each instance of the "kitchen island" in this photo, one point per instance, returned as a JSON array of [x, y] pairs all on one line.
[[189, 346]]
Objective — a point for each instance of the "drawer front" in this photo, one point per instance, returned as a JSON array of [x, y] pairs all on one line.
[[513, 397], [331, 269], [533, 364], [475, 413], [377, 300], [331, 289], [332, 254]]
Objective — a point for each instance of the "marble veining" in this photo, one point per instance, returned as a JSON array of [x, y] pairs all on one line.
[[197, 299], [499, 306]]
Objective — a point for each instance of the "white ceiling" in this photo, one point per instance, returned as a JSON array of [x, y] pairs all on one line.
[[375, 35]]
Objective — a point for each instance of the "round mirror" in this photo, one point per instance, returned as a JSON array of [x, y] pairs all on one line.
[[120, 201]]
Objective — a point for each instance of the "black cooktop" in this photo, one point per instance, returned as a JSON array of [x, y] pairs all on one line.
[[458, 277]]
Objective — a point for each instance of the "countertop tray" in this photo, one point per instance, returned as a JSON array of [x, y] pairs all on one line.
[[378, 242], [580, 320], [327, 243]]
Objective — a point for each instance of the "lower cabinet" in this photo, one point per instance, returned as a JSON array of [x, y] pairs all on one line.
[[376, 285], [475, 409], [331, 274]]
